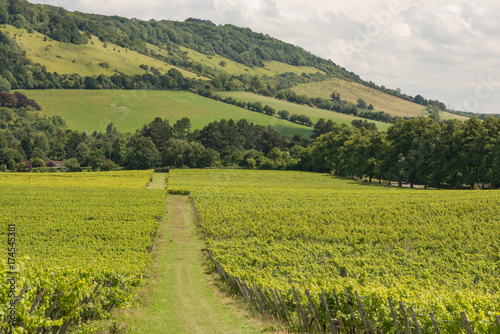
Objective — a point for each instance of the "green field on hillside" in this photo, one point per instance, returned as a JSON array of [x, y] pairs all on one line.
[[66, 58], [313, 113], [270, 68], [129, 110], [351, 91]]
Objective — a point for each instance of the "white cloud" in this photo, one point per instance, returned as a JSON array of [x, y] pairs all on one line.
[[437, 49]]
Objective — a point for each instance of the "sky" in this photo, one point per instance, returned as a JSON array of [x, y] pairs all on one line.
[[444, 50]]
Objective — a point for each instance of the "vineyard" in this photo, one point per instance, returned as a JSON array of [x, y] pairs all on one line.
[[80, 243], [313, 250]]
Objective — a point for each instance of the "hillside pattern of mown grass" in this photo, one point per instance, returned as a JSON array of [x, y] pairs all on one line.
[[89, 110], [313, 113], [270, 68], [352, 91]]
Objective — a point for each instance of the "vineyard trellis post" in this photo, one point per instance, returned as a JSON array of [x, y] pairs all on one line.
[[311, 304], [18, 298], [396, 327], [327, 311], [403, 312], [339, 309], [278, 308], [282, 299], [498, 320], [257, 296], [434, 323], [349, 302], [466, 323], [366, 321], [415, 322], [301, 310], [38, 298]]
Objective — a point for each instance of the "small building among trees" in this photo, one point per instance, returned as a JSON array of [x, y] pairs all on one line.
[[54, 164]]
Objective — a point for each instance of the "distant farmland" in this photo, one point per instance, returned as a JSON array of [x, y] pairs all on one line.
[[129, 110]]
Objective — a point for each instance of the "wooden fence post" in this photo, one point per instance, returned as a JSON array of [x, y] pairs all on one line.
[[263, 299], [366, 321], [18, 298], [241, 289], [278, 308], [282, 301], [327, 311], [249, 292], [342, 325], [415, 322], [403, 312], [352, 311], [262, 310], [65, 326], [313, 312], [396, 327], [434, 323], [269, 302], [466, 323], [37, 300], [301, 310], [498, 320]]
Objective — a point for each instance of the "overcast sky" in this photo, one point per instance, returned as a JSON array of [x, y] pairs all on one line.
[[445, 50]]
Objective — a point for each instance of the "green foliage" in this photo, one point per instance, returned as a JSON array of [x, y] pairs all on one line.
[[284, 114], [364, 124], [89, 228], [72, 165], [4, 85], [362, 104], [378, 241], [141, 153]]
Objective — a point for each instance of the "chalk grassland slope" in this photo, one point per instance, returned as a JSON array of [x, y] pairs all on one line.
[[74, 230], [436, 251], [84, 59], [352, 91], [129, 110], [313, 113], [270, 68]]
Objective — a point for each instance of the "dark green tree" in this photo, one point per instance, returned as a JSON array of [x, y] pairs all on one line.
[[362, 104], [141, 153]]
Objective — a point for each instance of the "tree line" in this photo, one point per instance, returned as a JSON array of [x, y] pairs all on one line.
[[27, 135], [415, 151]]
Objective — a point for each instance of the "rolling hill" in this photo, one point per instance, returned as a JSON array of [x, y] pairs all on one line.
[[352, 91], [313, 113], [89, 111], [98, 49], [84, 59]]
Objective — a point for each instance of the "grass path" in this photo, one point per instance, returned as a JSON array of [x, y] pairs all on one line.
[[158, 181], [182, 298]]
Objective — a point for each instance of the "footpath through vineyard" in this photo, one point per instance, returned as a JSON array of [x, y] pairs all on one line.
[[180, 299]]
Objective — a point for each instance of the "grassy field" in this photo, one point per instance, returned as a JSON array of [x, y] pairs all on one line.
[[351, 91], [86, 110], [66, 58], [270, 68], [313, 113]]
